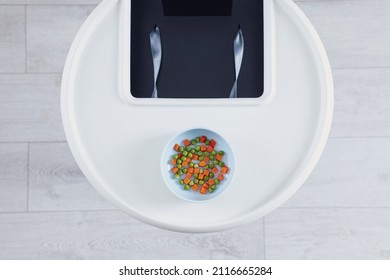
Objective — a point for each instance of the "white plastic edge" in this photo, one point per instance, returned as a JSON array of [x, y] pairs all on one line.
[[125, 67]]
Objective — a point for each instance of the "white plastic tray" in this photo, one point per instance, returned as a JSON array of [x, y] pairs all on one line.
[[276, 144], [124, 66]]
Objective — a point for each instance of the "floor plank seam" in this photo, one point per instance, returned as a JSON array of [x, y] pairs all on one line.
[[60, 212], [25, 40], [33, 142], [264, 240], [47, 5], [334, 207], [28, 177]]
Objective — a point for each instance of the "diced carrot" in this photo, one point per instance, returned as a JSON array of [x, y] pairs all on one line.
[[184, 164], [213, 143], [203, 139], [175, 170], [225, 170], [202, 163], [201, 176], [220, 177], [205, 185], [186, 181], [206, 159], [174, 161], [191, 170], [219, 157], [203, 190], [176, 147], [196, 170], [195, 187], [203, 148], [195, 157], [188, 160], [206, 172], [215, 170], [210, 149], [189, 175], [187, 142], [211, 182]]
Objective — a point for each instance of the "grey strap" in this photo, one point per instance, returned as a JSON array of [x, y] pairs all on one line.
[[155, 45], [238, 57]]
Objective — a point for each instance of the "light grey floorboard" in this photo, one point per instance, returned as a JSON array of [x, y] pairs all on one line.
[[355, 33], [13, 177], [362, 98], [344, 195], [114, 235], [30, 108], [351, 173], [328, 234], [50, 32], [56, 182], [12, 39], [49, 2]]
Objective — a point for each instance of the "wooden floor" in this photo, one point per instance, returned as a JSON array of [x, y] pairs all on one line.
[[49, 211]]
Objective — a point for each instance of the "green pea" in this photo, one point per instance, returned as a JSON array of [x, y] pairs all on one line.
[[185, 153], [212, 157], [210, 190], [196, 176], [200, 153], [222, 164], [214, 187], [181, 149], [193, 151], [176, 156], [215, 162], [193, 142], [191, 164], [192, 183], [185, 170], [183, 158], [179, 166], [197, 148], [211, 165], [196, 181], [217, 182], [181, 182], [188, 148], [190, 155], [180, 172], [177, 176], [221, 153], [214, 153], [179, 161], [206, 167], [211, 175], [197, 139], [187, 187], [201, 158], [196, 165], [201, 171], [207, 142], [207, 154], [201, 182], [206, 178]]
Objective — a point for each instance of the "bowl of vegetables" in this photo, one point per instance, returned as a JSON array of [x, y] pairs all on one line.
[[197, 165]]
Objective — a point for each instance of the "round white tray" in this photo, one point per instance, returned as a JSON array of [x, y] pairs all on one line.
[[276, 144]]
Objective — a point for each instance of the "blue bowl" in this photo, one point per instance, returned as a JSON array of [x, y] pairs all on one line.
[[174, 185]]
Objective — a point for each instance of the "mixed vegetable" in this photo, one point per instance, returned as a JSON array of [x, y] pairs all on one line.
[[198, 166]]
